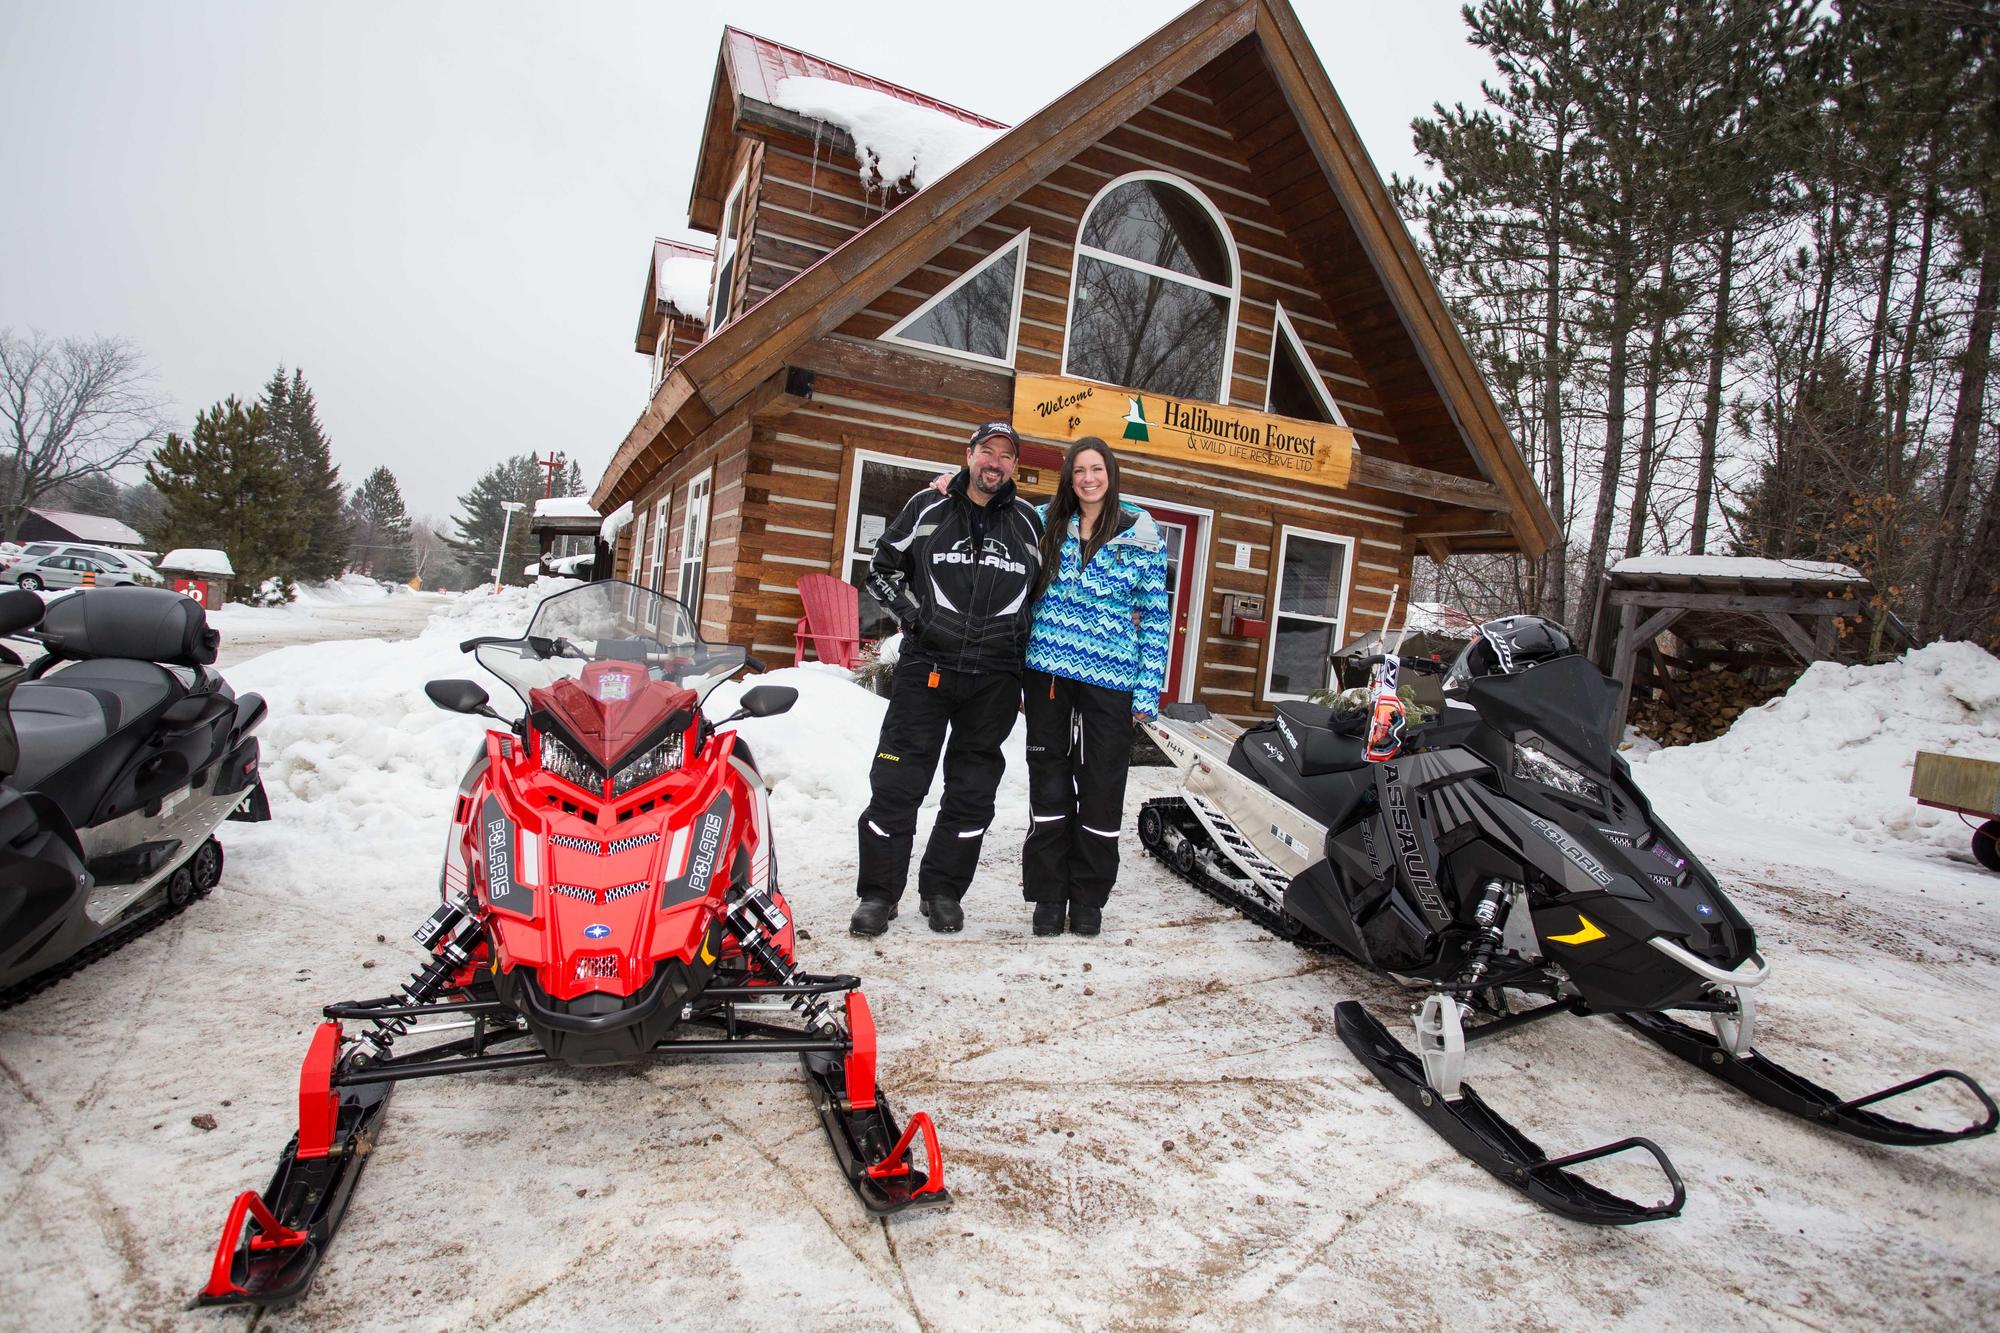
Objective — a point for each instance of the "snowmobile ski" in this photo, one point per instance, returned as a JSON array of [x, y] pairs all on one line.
[[272, 1243], [1487, 1138], [879, 1159], [1778, 1087]]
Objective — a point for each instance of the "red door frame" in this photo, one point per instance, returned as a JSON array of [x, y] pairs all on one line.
[[1189, 522]]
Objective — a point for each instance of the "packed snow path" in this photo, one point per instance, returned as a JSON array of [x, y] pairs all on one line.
[[1157, 1127]]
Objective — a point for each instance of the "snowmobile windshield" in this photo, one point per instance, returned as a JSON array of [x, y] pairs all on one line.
[[622, 644]]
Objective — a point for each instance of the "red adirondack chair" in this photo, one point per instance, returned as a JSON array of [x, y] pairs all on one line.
[[832, 622]]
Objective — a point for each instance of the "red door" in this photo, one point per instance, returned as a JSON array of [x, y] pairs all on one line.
[[1177, 526]]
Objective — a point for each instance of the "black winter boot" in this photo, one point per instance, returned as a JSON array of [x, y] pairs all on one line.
[[1085, 920], [871, 917], [945, 914], [1049, 918]]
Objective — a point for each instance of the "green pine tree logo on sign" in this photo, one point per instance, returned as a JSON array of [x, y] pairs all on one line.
[[1135, 420]]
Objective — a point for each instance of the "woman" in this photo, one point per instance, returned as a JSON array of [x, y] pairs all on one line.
[[1097, 658]]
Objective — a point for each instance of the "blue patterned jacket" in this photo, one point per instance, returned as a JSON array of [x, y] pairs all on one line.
[[1108, 625]]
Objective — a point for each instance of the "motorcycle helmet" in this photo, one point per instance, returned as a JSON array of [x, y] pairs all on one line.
[[1508, 646]]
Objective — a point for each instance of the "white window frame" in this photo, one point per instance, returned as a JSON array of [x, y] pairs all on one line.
[[1281, 327], [719, 313], [660, 354], [694, 537], [1234, 291], [1339, 623], [851, 552], [1196, 580], [655, 578], [1020, 243], [635, 571]]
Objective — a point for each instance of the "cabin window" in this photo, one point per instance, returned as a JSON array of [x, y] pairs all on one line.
[[1313, 571], [635, 569], [1153, 297], [694, 543], [656, 577], [725, 254], [1292, 386], [880, 487], [978, 315]]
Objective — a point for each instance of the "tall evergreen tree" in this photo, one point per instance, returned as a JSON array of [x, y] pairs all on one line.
[[224, 487], [518, 480], [318, 538], [380, 528]]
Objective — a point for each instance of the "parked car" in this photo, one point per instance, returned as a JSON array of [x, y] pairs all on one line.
[[142, 572], [65, 569]]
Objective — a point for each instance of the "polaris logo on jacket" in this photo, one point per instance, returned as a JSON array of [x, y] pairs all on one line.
[[994, 555]]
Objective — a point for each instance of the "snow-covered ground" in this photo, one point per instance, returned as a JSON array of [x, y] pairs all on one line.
[[1154, 1128]]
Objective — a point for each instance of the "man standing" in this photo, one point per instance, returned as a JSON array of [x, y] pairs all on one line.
[[957, 571]]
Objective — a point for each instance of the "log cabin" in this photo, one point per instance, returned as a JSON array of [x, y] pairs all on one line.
[[1189, 254]]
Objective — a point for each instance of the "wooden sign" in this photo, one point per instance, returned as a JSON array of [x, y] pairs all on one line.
[[1049, 407]]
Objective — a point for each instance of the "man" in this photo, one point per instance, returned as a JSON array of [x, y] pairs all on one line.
[[957, 571]]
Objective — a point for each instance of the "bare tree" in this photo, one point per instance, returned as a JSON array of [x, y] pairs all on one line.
[[70, 409]]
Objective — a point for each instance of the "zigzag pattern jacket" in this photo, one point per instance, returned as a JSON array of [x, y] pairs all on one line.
[[1108, 625]]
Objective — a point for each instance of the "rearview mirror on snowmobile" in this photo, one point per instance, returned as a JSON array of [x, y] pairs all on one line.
[[459, 696], [765, 701]]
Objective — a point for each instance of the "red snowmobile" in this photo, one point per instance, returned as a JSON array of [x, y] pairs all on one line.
[[609, 894]]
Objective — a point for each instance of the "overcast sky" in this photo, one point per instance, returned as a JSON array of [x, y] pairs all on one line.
[[443, 212]]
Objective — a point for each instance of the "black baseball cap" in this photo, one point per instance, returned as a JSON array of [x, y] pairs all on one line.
[[992, 430]]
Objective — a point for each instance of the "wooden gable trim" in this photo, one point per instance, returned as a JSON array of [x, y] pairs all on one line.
[[1358, 186]]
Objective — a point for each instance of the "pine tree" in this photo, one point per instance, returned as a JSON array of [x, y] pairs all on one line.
[[310, 456], [381, 528], [518, 480], [224, 487]]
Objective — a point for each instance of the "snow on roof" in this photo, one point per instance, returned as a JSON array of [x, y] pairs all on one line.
[[759, 65], [198, 560], [615, 523], [680, 276], [565, 506], [893, 136], [90, 527], [1754, 568]]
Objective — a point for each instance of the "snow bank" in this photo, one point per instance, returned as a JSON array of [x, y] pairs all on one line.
[[1736, 567], [1834, 752], [894, 137], [198, 560]]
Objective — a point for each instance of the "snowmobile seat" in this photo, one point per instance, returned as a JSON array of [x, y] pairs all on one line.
[[143, 624], [80, 728], [1316, 743]]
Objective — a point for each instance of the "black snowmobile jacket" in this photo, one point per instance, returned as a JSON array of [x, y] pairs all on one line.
[[960, 577]]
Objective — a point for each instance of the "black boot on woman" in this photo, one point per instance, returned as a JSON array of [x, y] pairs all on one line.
[[1085, 920]]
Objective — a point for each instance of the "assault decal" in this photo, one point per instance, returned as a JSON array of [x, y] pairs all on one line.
[[1408, 850]]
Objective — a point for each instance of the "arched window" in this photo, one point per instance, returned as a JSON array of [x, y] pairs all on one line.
[[1153, 297]]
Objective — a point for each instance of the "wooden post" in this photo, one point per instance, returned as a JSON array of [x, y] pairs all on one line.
[[1624, 657]]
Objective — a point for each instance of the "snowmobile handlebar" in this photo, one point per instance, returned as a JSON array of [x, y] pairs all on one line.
[[1425, 665]]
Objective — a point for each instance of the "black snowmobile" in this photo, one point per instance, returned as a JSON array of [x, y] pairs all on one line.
[[120, 754], [1501, 846]]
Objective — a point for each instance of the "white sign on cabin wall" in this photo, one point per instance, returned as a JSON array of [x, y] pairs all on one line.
[[1242, 560]]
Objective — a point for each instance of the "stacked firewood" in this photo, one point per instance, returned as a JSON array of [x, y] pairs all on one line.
[[1701, 706]]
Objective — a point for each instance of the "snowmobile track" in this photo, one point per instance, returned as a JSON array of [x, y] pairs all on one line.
[[1172, 809]]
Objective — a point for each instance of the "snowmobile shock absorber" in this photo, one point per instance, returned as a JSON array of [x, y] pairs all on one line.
[[748, 918], [451, 933], [1487, 917]]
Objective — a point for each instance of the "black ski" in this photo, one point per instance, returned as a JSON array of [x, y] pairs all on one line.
[[864, 1136], [1776, 1086], [1486, 1137]]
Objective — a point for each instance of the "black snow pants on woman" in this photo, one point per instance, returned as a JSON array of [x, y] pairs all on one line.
[[1079, 748]]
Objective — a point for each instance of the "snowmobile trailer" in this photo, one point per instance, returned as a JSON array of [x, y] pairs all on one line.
[[1502, 846], [121, 753], [609, 895]]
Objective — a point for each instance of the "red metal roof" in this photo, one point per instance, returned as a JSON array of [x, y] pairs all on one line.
[[758, 65]]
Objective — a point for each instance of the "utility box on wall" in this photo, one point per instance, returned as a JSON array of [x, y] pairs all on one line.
[[1243, 616]]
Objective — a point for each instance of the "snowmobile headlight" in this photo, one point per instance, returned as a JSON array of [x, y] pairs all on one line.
[[566, 764], [662, 758], [1535, 766]]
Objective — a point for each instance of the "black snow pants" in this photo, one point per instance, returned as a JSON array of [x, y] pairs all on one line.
[[978, 710], [1079, 749]]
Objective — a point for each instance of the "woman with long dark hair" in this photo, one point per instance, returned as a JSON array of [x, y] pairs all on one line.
[[1097, 658]]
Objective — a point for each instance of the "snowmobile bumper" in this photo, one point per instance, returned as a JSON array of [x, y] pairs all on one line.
[[1487, 1138], [272, 1243], [878, 1158], [1776, 1086]]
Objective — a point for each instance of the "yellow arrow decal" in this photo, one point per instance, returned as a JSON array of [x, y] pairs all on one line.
[[1586, 932]]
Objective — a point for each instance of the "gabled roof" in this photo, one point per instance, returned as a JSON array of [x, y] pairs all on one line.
[[750, 67], [90, 527], [725, 369], [677, 271]]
